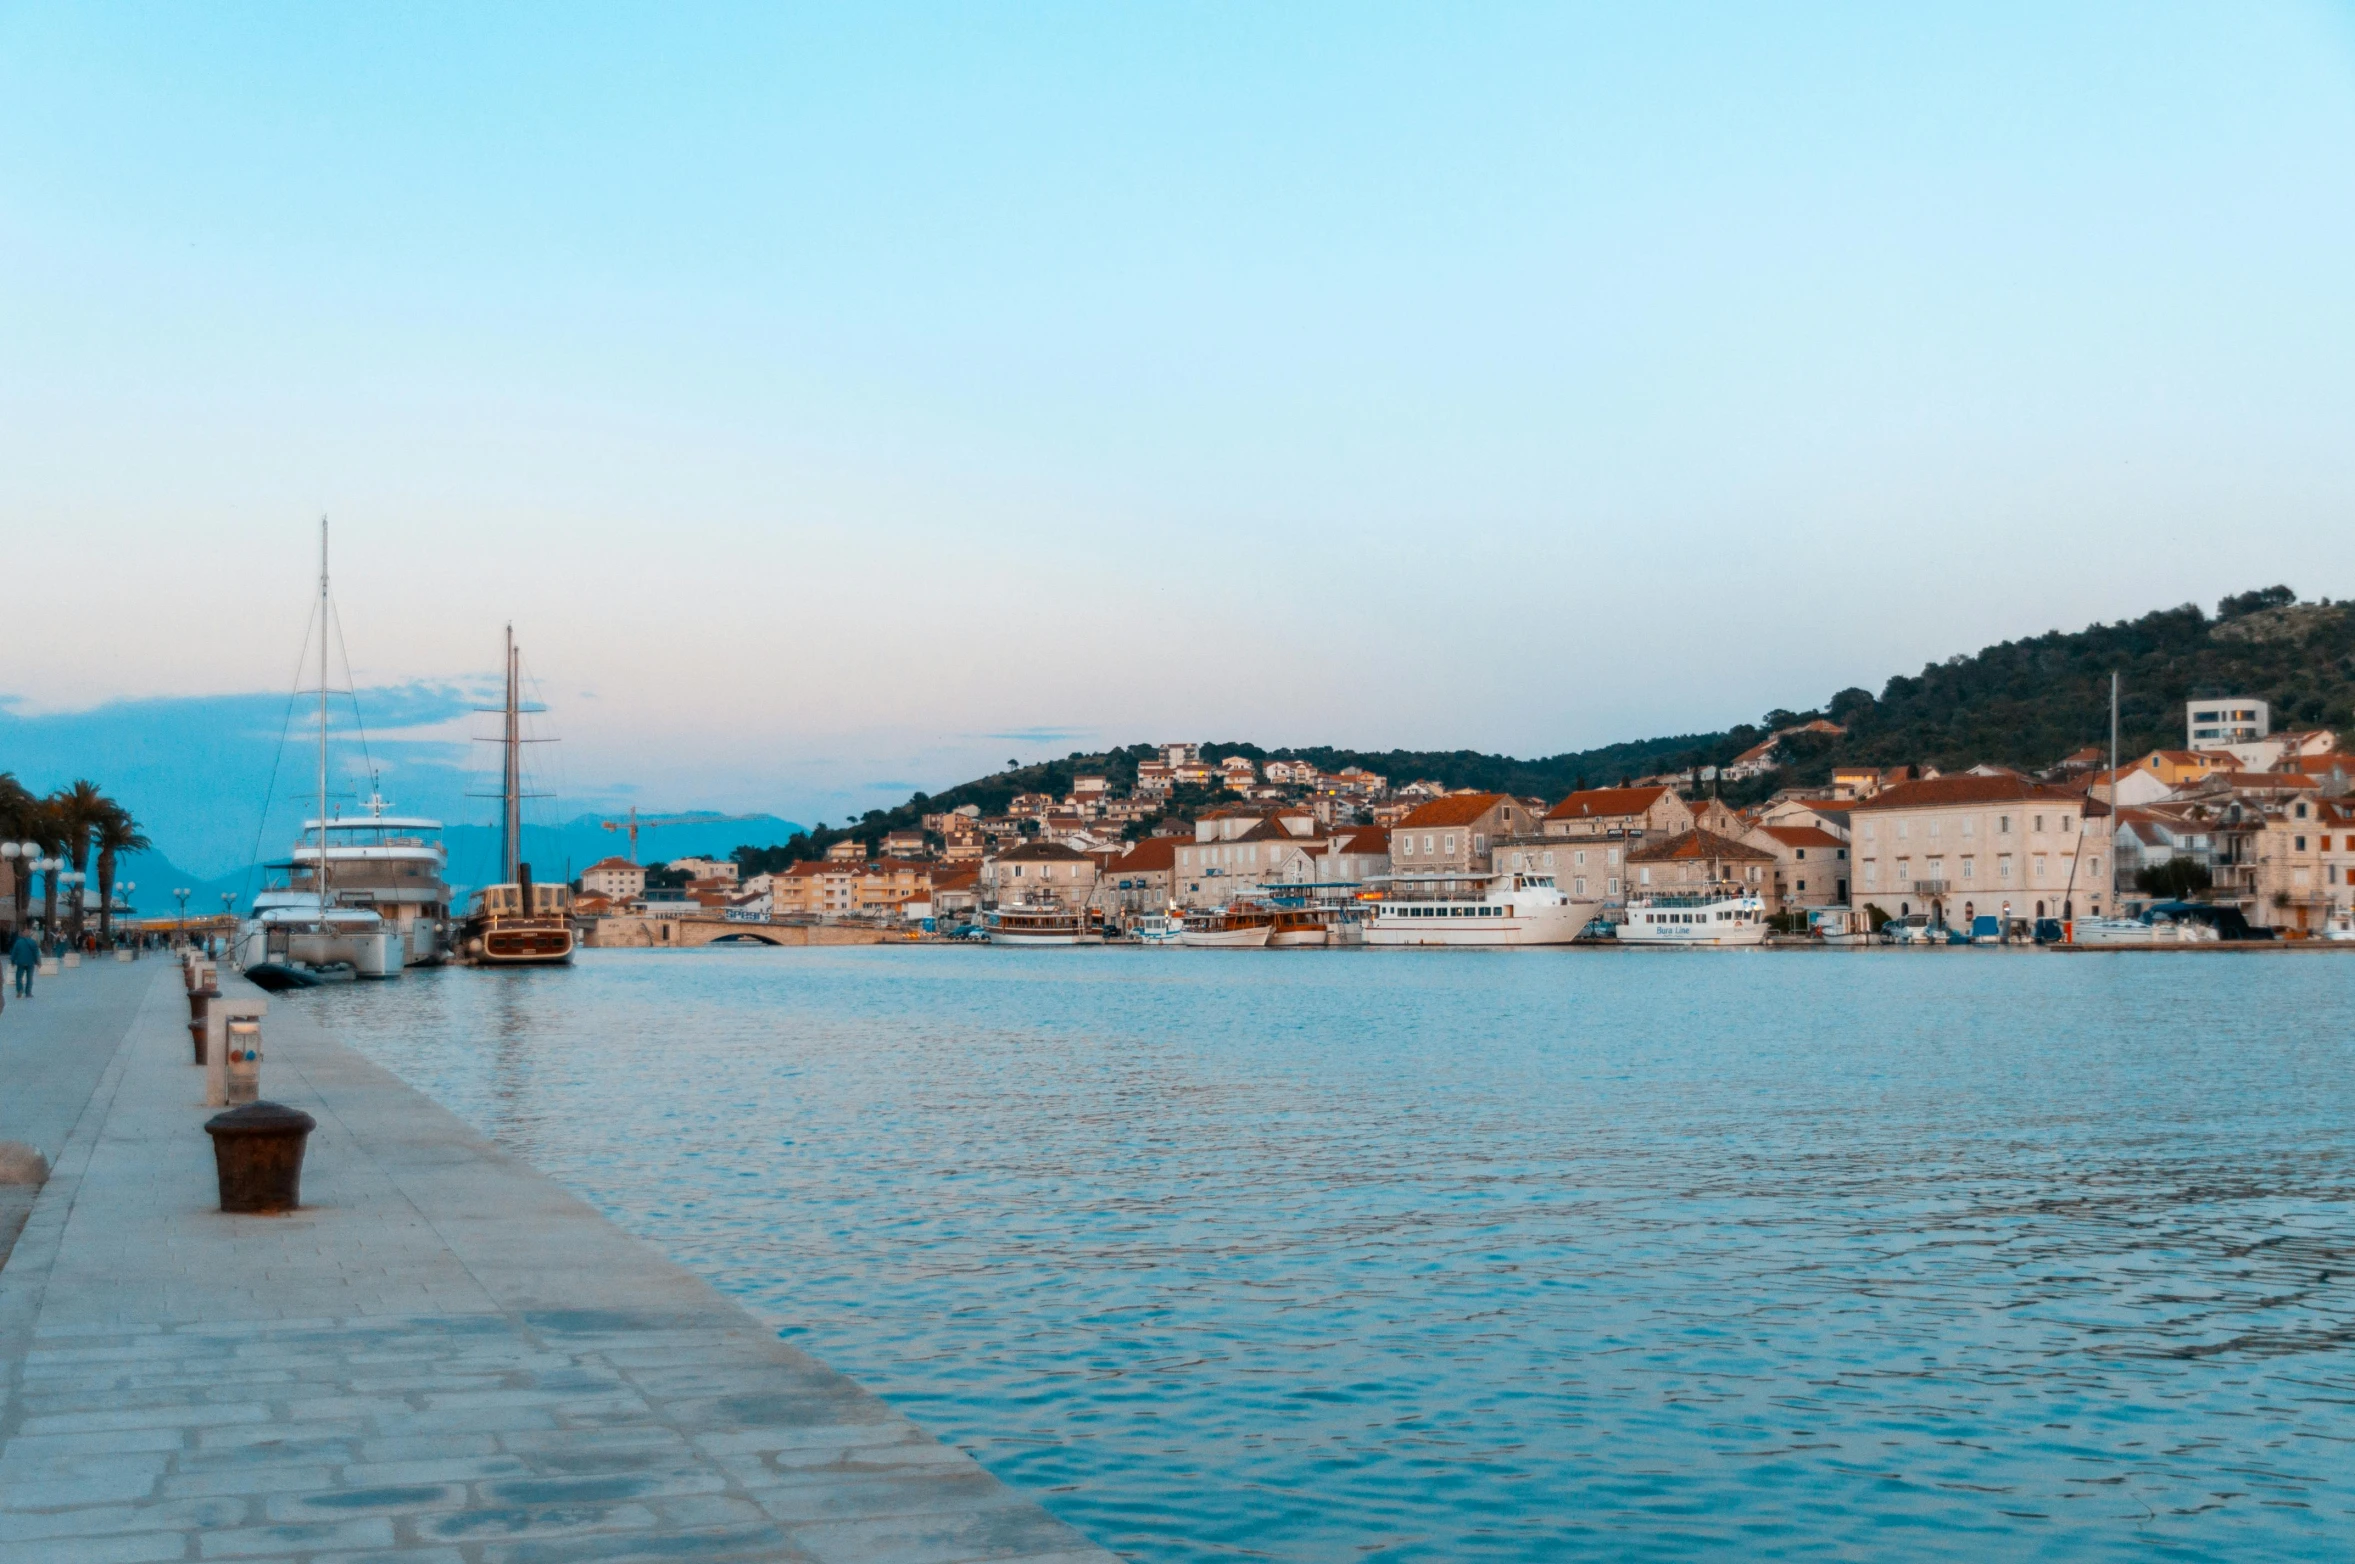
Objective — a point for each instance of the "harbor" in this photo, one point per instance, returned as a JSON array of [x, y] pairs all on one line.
[[441, 1357]]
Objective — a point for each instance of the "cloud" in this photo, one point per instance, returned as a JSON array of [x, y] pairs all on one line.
[[1041, 736]]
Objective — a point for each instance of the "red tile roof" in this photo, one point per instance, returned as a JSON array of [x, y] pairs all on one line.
[[1455, 809], [1802, 836], [1153, 855], [1606, 802], [1940, 792], [1697, 845], [1369, 839]]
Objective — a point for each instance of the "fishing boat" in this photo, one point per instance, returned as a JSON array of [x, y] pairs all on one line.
[[1239, 925], [516, 923], [1043, 923], [1497, 909], [300, 933], [1156, 928], [1710, 915]]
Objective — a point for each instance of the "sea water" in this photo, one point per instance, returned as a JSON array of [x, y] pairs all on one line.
[[1523, 1255]]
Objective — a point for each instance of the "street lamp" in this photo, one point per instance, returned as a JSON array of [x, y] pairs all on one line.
[[19, 878], [182, 892]]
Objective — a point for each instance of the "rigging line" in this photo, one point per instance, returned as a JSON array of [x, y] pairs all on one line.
[[253, 863], [352, 689]]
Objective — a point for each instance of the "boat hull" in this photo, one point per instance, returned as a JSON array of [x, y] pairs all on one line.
[[1462, 926], [1254, 938], [1299, 939], [1043, 937], [1695, 937]]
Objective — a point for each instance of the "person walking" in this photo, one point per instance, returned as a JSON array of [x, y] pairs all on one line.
[[24, 955]]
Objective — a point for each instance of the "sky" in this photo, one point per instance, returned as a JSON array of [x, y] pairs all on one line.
[[844, 400]]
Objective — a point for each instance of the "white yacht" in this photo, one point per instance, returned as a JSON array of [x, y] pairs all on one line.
[[1495, 909], [1709, 915], [391, 865], [2138, 933]]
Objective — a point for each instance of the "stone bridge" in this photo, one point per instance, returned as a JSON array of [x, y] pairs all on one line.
[[686, 933]]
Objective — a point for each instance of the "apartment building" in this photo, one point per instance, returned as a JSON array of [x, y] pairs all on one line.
[[2305, 865], [721, 869], [1624, 812], [2231, 719], [616, 878], [1692, 861], [1454, 835], [1139, 880], [1581, 866], [1955, 847], [1039, 872], [1810, 865]]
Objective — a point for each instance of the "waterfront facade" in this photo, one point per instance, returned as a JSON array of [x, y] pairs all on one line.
[[1953, 847], [1455, 834]]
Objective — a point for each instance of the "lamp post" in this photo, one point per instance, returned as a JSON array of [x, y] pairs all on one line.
[[182, 892], [75, 902], [48, 865], [124, 890]]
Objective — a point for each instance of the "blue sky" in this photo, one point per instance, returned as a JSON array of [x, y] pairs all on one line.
[[828, 392]]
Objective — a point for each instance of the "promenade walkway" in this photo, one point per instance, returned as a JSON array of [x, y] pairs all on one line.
[[443, 1359]]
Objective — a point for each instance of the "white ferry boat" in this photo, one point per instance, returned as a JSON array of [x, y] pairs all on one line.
[[1510, 909], [1713, 915], [2137, 933]]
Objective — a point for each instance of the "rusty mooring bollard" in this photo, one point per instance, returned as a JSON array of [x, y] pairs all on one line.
[[199, 1006], [258, 1155]]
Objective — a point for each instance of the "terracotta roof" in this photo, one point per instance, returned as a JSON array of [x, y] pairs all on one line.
[[2260, 781], [2328, 761], [1697, 845], [1802, 836], [1937, 792], [1455, 809], [609, 863], [1035, 852], [1607, 802], [1371, 839], [1153, 855], [963, 877]]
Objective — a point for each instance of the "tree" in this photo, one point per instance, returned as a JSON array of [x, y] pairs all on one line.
[[79, 806], [2178, 879], [117, 833]]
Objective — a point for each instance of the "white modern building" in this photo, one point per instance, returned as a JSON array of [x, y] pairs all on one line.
[[2233, 719]]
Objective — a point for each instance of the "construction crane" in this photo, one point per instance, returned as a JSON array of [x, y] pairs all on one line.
[[632, 823]]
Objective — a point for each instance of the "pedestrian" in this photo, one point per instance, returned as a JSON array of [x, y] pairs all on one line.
[[24, 955]]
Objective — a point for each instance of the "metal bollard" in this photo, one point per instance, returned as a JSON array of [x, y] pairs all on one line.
[[258, 1156]]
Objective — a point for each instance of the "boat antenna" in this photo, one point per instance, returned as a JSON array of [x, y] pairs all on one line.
[[319, 871]]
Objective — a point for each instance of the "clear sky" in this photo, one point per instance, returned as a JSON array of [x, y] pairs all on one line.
[[843, 399]]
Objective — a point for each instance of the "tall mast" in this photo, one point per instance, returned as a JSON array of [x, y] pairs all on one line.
[[319, 870], [511, 782]]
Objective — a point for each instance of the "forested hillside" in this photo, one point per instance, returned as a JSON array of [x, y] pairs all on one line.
[[2022, 703]]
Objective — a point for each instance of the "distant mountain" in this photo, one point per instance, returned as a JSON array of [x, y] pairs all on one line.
[[562, 852]]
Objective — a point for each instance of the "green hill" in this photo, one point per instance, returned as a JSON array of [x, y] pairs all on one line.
[[2022, 703]]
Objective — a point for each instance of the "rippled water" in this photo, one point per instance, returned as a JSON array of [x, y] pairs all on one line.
[[1541, 1255]]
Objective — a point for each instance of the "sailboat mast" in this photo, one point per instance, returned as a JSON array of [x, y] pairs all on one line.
[[511, 781], [2113, 792], [319, 870]]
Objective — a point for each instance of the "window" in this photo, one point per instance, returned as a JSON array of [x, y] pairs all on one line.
[[2038, 827], [1970, 825], [1612, 885], [1904, 829], [2003, 867], [1933, 828], [1644, 876], [1406, 845], [1802, 887], [1611, 858], [2003, 825], [1577, 859], [1427, 841], [2301, 844], [1578, 885], [2301, 811], [2068, 823], [2036, 867], [1872, 871], [1869, 829], [1800, 855], [1549, 858], [1970, 867]]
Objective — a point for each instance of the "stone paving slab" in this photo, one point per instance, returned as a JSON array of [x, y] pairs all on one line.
[[442, 1359]]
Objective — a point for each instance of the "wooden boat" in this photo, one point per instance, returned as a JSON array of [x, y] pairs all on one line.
[[1300, 928], [1043, 925], [1242, 925], [516, 923]]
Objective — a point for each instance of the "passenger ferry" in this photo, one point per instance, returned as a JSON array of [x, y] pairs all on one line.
[[1510, 909], [1043, 924], [1712, 916]]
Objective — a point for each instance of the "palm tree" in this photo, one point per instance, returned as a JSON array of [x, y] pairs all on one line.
[[79, 807], [117, 833], [17, 809]]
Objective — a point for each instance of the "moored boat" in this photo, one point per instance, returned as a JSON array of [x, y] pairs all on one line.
[[1712, 916], [1494, 909], [1240, 925], [516, 923], [1043, 925]]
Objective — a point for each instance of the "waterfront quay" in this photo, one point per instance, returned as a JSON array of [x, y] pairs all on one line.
[[443, 1358]]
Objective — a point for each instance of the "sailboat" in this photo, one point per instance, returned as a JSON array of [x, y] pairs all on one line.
[[299, 935], [517, 922]]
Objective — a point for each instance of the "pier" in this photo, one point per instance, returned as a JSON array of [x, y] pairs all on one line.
[[443, 1358]]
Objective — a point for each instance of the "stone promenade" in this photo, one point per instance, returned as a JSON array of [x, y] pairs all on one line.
[[443, 1359]]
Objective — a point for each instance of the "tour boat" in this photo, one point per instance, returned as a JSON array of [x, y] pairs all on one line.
[[1299, 928], [516, 923], [1043, 924], [1241, 925], [1511, 909], [1717, 915]]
